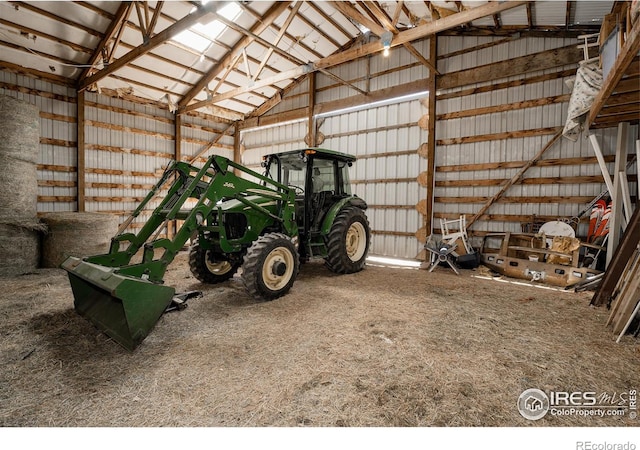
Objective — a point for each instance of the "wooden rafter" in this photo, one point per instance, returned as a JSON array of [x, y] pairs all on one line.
[[396, 13], [268, 19], [283, 29], [20, 48], [530, 15], [383, 24], [352, 13], [154, 19], [353, 53], [57, 18], [116, 26], [154, 42], [141, 21], [329, 19], [287, 35], [34, 32], [567, 18], [256, 38]]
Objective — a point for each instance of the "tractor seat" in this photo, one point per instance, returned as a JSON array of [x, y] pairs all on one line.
[[318, 184]]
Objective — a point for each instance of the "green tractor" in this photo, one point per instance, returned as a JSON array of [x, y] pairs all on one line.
[[301, 208]]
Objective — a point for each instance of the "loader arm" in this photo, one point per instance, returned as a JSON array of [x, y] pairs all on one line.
[[126, 300], [211, 184]]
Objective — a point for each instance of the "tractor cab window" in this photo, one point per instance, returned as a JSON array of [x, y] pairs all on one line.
[[293, 172], [344, 186], [323, 177]]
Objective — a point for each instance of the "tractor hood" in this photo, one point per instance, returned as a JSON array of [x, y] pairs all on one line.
[[234, 205]]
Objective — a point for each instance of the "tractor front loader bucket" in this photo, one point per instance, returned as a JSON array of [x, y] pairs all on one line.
[[125, 308]]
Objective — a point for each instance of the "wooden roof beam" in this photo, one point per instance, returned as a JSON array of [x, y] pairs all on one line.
[[352, 53], [57, 18], [396, 13], [115, 27], [155, 41], [281, 33], [24, 29], [329, 19], [353, 14], [272, 14], [387, 22], [627, 54]]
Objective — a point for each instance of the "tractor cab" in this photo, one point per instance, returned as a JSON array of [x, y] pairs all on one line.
[[320, 178]]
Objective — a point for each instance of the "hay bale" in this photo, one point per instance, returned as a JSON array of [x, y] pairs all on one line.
[[19, 150], [77, 234], [19, 250], [566, 245]]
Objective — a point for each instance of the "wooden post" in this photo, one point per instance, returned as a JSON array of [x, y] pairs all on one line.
[[311, 127], [237, 155], [616, 219], [431, 140], [623, 253], [172, 226], [601, 162], [177, 151], [81, 151]]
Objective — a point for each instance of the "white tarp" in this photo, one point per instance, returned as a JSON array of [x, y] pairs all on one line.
[[587, 84]]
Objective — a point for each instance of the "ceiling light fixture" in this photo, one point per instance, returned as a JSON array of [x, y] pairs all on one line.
[[386, 38]]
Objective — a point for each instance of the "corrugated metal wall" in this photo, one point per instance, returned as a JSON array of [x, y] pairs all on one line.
[[386, 181], [385, 139], [541, 195], [127, 145]]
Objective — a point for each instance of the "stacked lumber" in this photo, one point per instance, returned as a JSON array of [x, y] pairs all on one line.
[[627, 299], [621, 283]]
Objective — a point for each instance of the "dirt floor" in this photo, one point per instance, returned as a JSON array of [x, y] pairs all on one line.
[[384, 347]]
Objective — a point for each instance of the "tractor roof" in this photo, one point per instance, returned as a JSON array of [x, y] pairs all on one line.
[[330, 154]]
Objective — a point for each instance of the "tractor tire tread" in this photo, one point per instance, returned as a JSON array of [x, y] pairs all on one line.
[[337, 260], [199, 269], [251, 269]]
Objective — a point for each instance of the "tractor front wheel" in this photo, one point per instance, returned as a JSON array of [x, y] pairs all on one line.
[[270, 266], [209, 267], [348, 241]]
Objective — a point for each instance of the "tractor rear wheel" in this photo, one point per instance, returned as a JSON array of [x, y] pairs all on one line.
[[209, 267], [270, 266], [348, 241]]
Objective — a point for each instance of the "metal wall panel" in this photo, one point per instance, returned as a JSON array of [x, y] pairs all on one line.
[[512, 149], [365, 133]]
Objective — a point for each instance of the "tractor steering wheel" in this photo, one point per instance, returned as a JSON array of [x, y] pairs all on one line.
[[297, 189]]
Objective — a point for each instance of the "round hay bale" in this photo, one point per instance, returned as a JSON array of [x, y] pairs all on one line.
[[76, 234], [19, 250], [19, 150]]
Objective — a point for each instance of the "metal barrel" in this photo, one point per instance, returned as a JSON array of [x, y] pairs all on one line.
[[125, 308]]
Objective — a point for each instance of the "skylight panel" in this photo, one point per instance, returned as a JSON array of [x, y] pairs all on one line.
[[192, 40], [200, 36]]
